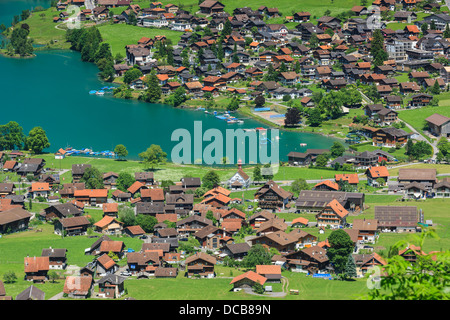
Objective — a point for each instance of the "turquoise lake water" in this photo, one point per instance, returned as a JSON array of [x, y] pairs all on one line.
[[52, 91]]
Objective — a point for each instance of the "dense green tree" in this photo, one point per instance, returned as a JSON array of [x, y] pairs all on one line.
[[131, 75], [435, 89], [146, 222], [337, 149], [121, 151], [153, 93], [177, 97], [37, 140], [20, 42], [292, 117], [377, 49], [257, 173], [11, 136], [153, 156], [321, 160], [124, 181], [93, 178], [299, 185], [350, 268], [233, 105], [341, 246], [315, 118], [210, 180], [126, 215], [257, 255], [260, 101]]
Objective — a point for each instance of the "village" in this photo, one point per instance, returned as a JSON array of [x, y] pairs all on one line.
[[382, 90], [194, 233]]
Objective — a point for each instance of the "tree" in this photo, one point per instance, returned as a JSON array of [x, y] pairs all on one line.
[[92, 178], [260, 101], [153, 93], [9, 277], [299, 185], [146, 222], [124, 181], [52, 275], [436, 89], [337, 149], [233, 105], [425, 279], [210, 180], [37, 140], [321, 160], [257, 255], [11, 136], [131, 75], [154, 155], [377, 49], [315, 118], [257, 173], [127, 216], [292, 117], [121, 151], [341, 247], [350, 268], [267, 172]]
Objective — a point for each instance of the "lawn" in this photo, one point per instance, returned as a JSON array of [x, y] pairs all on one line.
[[120, 35], [440, 168], [43, 29], [416, 117], [398, 153]]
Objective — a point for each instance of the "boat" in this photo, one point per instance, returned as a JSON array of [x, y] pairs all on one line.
[[303, 144], [100, 93], [261, 129], [93, 92]]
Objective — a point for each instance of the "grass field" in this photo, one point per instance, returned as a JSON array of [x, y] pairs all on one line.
[[416, 117], [120, 35]]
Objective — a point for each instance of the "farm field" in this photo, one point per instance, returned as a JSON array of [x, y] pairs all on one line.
[[416, 117]]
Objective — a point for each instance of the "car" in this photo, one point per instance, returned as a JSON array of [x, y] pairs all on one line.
[[144, 237], [125, 273], [250, 207]]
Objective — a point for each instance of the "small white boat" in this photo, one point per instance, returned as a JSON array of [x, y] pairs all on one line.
[[100, 93], [303, 144]]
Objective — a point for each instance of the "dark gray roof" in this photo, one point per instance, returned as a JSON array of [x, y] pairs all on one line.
[[31, 293]]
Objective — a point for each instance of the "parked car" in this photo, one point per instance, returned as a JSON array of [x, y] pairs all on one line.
[[125, 273]]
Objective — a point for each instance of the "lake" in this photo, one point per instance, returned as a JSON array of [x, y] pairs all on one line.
[[52, 91]]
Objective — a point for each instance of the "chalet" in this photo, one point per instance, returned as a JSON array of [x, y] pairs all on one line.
[[78, 171], [438, 125], [36, 268], [191, 224], [366, 262], [145, 178], [136, 188], [300, 158], [217, 200], [181, 204], [109, 179], [272, 196], [420, 100], [111, 286], [333, 215], [236, 251], [78, 287], [39, 189], [386, 117], [273, 225], [212, 238], [71, 226], [393, 102], [13, 220], [313, 259], [60, 211], [326, 185], [51, 179], [68, 190], [152, 195], [301, 16], [211, 6], [109, 225], [259, 218], [10, 165], [110, 209], [57, 257], [425, 176], [281, 241], [32, 292], [239, 180], [271, 272], [390, 137], [91, 197], [409, 87], [248, 280], [200, 265], [134, 231], [315, 201], [375, 173], [396, 218], [120, 196], [6, 188], [146, 261], [351, 178]]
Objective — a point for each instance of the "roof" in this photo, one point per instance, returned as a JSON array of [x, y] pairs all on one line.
[[31, 293], [416, 174], [352, 178], [202, 256], [91, 193], [337, 208], [328, 183], [250, 275], [78, 284], [40, 186], [394, 216], [378, 172], [105, 221], [268, 269], [437, 119], [365, 224], [106, 261], [300, 220], [36, 264], [13, 214], [110, 207], [135, 230], [114, 246], [156, 194]]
